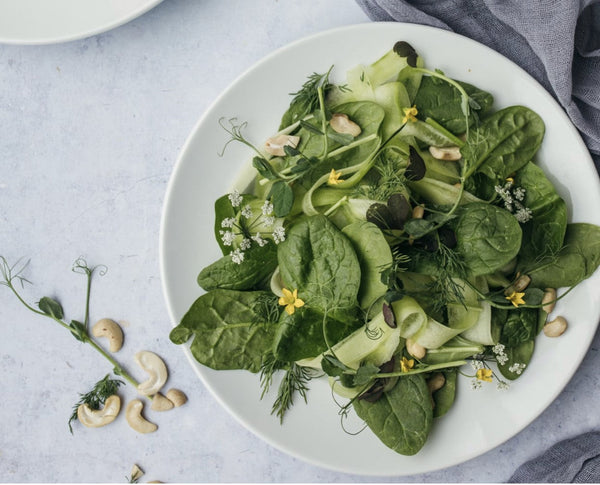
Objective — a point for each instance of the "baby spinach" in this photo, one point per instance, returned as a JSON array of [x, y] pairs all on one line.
[[544, 233], [402, 417], [520, 326], [441, 101], [320, 262], [578, 259], [444, 397], [259, 264], [229, 333], [519, 355], [503, 143], [488, 237]]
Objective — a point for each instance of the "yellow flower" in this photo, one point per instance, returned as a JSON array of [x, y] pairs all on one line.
[[510, 180], [484, 375], [410, 114], [406, 365], [516, 298], [290, 300], [334, 177]]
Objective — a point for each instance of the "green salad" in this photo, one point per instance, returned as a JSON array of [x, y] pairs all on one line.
[[397, 236]]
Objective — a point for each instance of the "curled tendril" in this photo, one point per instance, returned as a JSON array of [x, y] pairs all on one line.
[[235, 132], [10, 273], [80, 266]]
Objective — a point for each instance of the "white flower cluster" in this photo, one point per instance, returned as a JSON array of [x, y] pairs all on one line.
[[517, 368], [513, 198], [501, 356], [231, 229]]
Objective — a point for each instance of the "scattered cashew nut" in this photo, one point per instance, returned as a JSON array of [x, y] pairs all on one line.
[[436, 382], [549, 300], [275, 145], [161, 403], [340, 123], [110, 329], [157, 370], [133, 413], [177, 397], [450, 154], [415, 349], [136, 473], [100, 417], [556, 327]]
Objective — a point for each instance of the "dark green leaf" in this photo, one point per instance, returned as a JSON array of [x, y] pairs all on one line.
[[257, 267], [403, 48], [416, 166], [79, 331], [264, 168], [520, 354], [341, 138], [310, 127], [51, 307], [418, 227], [402, 417], [332, 366], [282, 198], [365, 374], [520, 326], [444, 397]]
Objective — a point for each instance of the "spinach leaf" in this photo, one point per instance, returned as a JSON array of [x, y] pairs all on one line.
[[224, 210], [228, 331], [402, 417], [578, 259], [300, 336], [441, 101], [520, 326], [320, 262], [503, 143], [257, 267], [521, 354], [374, 254], [488, 237], [444, 397], [545, 232]]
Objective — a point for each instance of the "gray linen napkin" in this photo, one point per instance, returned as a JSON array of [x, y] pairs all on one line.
[[575, 460], [556, 41]]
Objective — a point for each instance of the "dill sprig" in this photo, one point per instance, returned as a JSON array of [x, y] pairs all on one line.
[[266, 309], [450, 267], [294, 381], [390, 168], [306, 99], [96, 398]]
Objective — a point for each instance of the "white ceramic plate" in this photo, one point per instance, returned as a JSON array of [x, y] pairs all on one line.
[[479, 420], [51, 21]]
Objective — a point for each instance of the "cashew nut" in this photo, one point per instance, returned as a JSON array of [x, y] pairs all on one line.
[[549, 300], [101, 417], [520, 284], [450, 154], [340, 123], [418, 212], [136, 473], [436, 382], [133, 413], [177, 397], [556, 327], [110, 329], [275, 144], [415, 349], [157, 369], [161, 403]]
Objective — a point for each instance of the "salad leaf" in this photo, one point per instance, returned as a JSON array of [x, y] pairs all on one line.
[[402, 417]]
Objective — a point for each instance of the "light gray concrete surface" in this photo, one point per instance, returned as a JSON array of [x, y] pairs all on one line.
[[91, 130]]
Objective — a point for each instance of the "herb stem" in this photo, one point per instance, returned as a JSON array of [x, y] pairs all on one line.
[[118, 370], [429, 368]]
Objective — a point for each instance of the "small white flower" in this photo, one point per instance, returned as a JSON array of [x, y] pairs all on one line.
[[475, 384], [501, 359], [228, 222], [247, 212], [267, 208], [235, 198], [517, 368], [523, 214], [268, 221], [279, 234], [245, 244], [519, 193], [503, 386], [476, 364], [498, 349], [227, 237], [237, 256], [259, 240]]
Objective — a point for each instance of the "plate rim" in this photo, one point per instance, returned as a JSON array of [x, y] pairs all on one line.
[[209, 112], [77, 34]]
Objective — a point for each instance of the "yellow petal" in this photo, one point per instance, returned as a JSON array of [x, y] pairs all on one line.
[[290, 309], [298, 303]]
